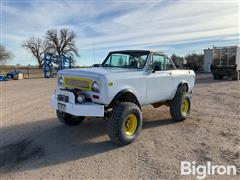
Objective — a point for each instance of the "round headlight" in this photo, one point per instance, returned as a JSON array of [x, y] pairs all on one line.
[[60, 81], [80, 98], [95, 86]]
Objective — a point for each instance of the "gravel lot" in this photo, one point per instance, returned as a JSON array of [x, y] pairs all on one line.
[[35, 145]]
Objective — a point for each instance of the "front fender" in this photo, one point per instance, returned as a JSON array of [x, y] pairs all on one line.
[[182, 83], [125, 95]]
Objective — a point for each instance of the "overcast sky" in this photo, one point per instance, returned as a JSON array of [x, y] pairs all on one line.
[[173, 26]]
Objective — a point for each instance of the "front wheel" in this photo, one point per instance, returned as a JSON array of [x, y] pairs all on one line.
[[124, 123], [69, 119], [180, 106]]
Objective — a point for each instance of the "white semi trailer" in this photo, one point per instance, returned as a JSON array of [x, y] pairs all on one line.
[[226, 62]]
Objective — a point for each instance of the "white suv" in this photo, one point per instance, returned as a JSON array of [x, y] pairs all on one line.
[[117, 90]]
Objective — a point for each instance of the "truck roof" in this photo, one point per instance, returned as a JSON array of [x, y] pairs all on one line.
[[143, 51]]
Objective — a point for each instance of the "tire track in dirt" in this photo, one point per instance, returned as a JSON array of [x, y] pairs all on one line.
[[148, 167], [14, 154], [232, 158]]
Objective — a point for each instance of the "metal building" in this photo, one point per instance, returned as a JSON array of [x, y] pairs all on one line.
[[207, 60]]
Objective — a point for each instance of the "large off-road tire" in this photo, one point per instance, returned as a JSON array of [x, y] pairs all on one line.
[[124, 123], [180, 105], [215, 77], [236, 77], [220, 77], [69, 119]]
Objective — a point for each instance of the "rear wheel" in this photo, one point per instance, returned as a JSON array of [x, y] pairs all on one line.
[[69, 119], [215, 77], [236, 76], [220, 77], [180, 106], [124, 123]]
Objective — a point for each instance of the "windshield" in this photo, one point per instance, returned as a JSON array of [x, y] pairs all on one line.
[[135, 60]]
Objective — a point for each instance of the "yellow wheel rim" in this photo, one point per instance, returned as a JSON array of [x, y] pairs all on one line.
[[130, 125], [185, 106]]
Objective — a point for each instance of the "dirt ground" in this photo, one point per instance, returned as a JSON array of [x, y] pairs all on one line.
[[35, 145]]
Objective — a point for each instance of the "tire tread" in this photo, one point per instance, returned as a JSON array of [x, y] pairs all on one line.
[[175, 106], [113, 126]]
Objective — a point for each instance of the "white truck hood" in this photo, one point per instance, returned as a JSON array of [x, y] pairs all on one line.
[[95, 72]]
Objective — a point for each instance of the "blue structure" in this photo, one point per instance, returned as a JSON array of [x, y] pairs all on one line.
[[53, 63], [65, 62]]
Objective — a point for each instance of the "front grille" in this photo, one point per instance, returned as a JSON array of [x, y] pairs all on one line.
[[79, 83]]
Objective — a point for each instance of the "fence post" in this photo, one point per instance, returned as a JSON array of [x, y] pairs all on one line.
[[28, 70]]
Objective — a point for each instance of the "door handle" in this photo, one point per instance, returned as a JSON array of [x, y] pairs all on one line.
[[170, 73]]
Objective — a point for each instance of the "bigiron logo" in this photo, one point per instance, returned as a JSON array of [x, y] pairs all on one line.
[[201, 171]]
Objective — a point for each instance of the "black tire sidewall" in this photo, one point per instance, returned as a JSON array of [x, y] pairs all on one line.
[[116, 120], [176, 106], [123, 118], [69, 119]]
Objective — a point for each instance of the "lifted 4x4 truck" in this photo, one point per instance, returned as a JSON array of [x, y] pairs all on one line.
[[117, 90]]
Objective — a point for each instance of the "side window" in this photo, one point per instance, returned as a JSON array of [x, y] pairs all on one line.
[[157, 62], [169, 65]]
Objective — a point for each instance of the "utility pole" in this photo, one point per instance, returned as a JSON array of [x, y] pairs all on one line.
[[93, 52]]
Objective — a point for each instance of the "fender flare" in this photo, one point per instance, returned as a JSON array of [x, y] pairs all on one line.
[[120, 93], [182, 83]]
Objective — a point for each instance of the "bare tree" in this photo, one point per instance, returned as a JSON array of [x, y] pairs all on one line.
[[62, 42], [178, 60], [57, 43], [195, 61], [4, 55], [36, 47]]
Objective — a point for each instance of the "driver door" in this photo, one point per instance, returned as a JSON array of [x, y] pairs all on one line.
[[159, 80]]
